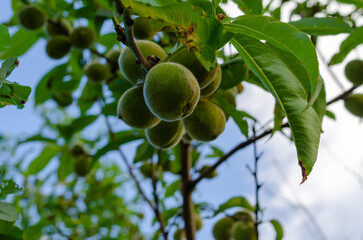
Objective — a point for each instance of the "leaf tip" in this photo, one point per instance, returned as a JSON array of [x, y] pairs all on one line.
[[303, 172]]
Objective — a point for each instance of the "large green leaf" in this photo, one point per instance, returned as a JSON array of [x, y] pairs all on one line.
[[233, 72], [20, 42], [351, 42], [278, 228], [286, 38], [234, 202], [275, 75], [321, 26], [193, 26], [43, 159], [8, 212], [4, 37], [250, 6]]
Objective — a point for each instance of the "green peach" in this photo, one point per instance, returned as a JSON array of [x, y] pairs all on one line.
[[243, 216], [206, 123], [171, 91], [96, 71], [147, 168], [58, 46], [63, 98], [165, 134], [354, 104], [354, 71], [58, 27], [189, 60], [31, 17], [127, 61], [211, 175], [179, 234], [77, 150], [133, 111], [82, 165], [228, 96], [198, 221], [244, 230], [213, 86], [222, 229], [142, 28], [113, 54], [83, 37]]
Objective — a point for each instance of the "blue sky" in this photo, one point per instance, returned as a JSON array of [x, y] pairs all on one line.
[[333, 192]]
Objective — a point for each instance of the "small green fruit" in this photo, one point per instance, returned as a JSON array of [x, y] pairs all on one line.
[[58, 46], [244, 230], [354, 71], [228, 96], [354, 104], [222, 229], [127, 61], [142, 28], [206, 123], [113, 54], [77, 150], [82, 165], [147, 168], [211, 175], [133, 111], [243, 216], [83, 37], [213, 86], [63, 98], [96, 71], [198, 221], [179, 234], [31, 17], [171, 91], [165, 134], [58, 27], [189, 60]]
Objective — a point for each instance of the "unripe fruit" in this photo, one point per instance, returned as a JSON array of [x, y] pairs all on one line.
[[206, 123], [83, 37], [354, 71], [165, 134], [198, 222], [244, 230], [82, 165], [222, 230], [96, 71], [63, 98], [189, 60], [147, 168], [179, 234], [133, 111], [142, 28], [211, 175], [58, 46], [228, 96], [354, 104], [213, 86], [127, 61], [171, 91], [113, 54], [59, 27], [243, 216], [77, 150], [31, 17]]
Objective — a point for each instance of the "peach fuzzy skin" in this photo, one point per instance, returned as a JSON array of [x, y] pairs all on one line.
[[165, 134]]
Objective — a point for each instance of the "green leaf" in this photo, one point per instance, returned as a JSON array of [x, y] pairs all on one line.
[[120, 138], [250, 6], [144, 152], [330, 114], [284, 37], [8, 66], [207, 6], [278, 117], [108, 40], [192, 25], [233, 72], [304, 121], [278, 228], [351, 42], [12, 93], [66, 165], [321, 26], [43, 159], [235, 202], [76, 125], [216, 152], [8, 187], [90, 93], [8, 212], [10, 232], [37, 137], [20, 42], [4, 37], [357, 3], [172, 188]]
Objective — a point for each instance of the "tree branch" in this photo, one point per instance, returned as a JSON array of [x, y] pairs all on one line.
[[188, 208]]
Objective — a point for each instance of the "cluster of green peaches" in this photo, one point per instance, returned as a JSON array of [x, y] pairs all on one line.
[[354, 101], [172, 99]]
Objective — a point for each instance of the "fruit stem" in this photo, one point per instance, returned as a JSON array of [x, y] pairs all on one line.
[[188, 207]]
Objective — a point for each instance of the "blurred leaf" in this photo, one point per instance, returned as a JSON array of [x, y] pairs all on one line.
[[43, 159], [37, 137], [110, 109], [144, 152], [278, 117], [66, 165], [8, 66], [192, 25], [8, 187], [304, 121], [4, 37], [330, 114], [278, 228], [90, 93], [76, 125], [321, 26], [351, 42], [108, 40], [12, 93], [216, 152], [20, 42], [233, 72], [235, 202], [172, 188], [8, 212], [12, 233], [295, 44], [250, 6]]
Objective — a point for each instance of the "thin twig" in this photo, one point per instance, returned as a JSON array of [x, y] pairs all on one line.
[[342, 96]]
